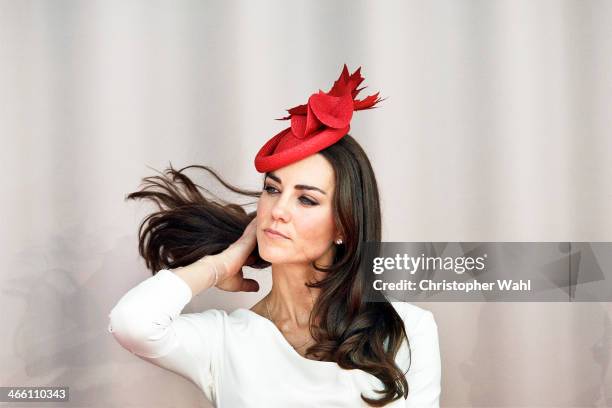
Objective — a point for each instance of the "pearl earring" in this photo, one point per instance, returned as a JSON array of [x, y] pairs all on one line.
[[339, 241]]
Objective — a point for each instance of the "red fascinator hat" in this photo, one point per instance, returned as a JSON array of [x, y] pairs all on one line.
[[324, 120]]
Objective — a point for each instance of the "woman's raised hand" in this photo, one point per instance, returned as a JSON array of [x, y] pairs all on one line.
[[231, 261]]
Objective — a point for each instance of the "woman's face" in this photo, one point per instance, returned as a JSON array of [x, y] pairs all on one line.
[[297, 202]]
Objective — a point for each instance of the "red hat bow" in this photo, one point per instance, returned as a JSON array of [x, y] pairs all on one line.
[[323, 121]]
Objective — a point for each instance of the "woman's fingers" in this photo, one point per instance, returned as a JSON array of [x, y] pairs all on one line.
[[240, 250], [249, 236], [238, 283], [235, 257]]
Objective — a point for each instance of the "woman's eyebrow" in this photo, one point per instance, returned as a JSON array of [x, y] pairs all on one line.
[[297, 186]]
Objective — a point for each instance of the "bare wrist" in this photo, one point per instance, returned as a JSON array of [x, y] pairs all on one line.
[[210, 266], [201, 274]]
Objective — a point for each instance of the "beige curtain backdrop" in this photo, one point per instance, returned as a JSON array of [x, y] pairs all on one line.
[[496, 128]]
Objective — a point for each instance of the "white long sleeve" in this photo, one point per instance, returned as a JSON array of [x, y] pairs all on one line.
[[147, 322]]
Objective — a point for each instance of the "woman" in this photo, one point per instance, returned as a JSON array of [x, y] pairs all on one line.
[[322, 337]]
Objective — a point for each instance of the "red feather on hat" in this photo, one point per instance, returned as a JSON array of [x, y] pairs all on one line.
[[317, 124], [345, 84]]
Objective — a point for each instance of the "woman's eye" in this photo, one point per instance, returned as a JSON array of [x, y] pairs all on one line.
[[304, 200], [307, 201], [267, 189]]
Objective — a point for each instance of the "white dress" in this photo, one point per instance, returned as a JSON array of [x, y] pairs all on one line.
[[241, 359]]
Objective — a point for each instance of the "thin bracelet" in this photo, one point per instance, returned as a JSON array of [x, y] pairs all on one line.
[[216, 274], [203, 260]]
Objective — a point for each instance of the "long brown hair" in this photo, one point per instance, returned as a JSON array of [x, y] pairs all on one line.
[[356, 326]]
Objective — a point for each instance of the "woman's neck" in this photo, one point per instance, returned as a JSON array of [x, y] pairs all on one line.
[[290, 301]]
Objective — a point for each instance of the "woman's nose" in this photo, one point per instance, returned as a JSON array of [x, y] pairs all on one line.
[[280, 210]]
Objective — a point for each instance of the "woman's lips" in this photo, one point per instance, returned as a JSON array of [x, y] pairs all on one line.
[[274, 234]]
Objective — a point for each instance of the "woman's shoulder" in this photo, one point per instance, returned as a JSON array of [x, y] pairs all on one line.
[[209, 318], [415, 318], [221, 316], [423, 355], [219, 321]]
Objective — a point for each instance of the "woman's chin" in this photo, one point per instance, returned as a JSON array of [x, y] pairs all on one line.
[[272, 255], [276, 255]]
